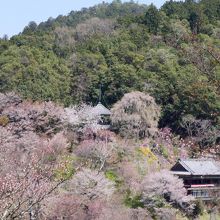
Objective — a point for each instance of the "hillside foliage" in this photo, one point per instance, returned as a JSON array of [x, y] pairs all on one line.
[[159, 72], [172, 53], [57, 167]]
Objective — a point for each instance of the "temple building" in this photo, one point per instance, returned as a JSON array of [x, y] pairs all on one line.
[[104, 114], [102, 111], [201, 177]]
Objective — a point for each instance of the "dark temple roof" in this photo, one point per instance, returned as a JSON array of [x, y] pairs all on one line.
[[196, 167]]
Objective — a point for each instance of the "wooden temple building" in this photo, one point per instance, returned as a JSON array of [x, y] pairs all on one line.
[[201, 177]]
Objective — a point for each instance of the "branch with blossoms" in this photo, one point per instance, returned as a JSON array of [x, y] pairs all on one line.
[[97, 152], [28, 171], [22, 191]]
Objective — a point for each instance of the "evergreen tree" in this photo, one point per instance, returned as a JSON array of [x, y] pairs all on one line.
[[152, 19]]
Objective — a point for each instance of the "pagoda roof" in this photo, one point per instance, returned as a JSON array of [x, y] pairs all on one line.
[[101, 110]]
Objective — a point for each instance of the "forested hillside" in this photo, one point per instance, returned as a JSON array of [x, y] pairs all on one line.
[[172, 53]]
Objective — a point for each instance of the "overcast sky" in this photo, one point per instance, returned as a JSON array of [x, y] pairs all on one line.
[[16, 14]]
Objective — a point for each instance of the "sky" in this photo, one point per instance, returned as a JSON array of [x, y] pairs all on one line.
[[16, 14]]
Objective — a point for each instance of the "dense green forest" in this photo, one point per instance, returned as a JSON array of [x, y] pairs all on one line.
[[172, 53]]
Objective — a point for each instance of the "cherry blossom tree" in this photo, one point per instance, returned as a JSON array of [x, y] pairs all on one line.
[[27, 172], [169, 145], [24, 116], [136, 115], [9, 99], [64, 206], [96, 152], [94, 26], [91, 184], [200, 131], [74, 207], [115, 210], [164, 185]]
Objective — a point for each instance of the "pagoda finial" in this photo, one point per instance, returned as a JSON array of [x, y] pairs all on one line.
[[100, 93]]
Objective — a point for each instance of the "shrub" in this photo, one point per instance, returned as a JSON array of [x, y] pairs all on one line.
[[199, 208], [111, 175], [146, 151], [133, 201], [164, 151], [4, 120], [66, 168]]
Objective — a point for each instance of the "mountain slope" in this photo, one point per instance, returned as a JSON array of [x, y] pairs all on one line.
[[172, 53]]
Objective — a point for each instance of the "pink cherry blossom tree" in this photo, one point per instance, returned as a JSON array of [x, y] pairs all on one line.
[[91, 184], [26, 174], [165, 185]]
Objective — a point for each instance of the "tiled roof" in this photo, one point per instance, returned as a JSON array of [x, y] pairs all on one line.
[[201, 166], [100, 110]]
